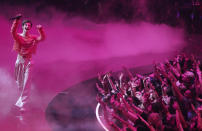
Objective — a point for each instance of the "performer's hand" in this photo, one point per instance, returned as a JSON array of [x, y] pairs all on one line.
[[39, 26]]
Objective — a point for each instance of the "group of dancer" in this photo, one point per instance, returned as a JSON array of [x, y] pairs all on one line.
[[168, 99]]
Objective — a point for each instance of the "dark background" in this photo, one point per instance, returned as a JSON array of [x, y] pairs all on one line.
[[171, 12]]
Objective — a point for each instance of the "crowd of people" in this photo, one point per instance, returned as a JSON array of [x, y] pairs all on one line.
[[168, 99]]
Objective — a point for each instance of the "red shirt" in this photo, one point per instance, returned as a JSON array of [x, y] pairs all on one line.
[[25, 45]]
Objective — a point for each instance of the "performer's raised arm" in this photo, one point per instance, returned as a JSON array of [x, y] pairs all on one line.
[[15, 26], [41, 36]]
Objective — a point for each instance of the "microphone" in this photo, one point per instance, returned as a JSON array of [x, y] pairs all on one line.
[[16, 17]]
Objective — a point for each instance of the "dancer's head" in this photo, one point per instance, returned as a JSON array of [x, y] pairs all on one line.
[[26, 25]]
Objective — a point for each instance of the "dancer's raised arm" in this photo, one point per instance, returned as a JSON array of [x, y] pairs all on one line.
[[41, 36], [14, 26]]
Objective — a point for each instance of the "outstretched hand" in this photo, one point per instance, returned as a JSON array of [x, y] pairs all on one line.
[[39, 26]]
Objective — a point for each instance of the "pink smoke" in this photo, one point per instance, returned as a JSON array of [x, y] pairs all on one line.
[[77, 49]]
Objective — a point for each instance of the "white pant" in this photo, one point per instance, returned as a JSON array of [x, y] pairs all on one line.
[[23, 68]]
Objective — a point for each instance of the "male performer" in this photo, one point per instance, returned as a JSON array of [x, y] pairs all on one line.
[[25, 45]]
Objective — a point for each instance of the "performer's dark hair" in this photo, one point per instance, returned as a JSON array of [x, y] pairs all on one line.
[[26, 21]]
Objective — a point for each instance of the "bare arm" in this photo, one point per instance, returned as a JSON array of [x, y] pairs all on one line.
[[115, 126], [198, 99], [199, 121], [100, 89], [15, 26], [41, 36], [198, 71], [179, 125], [138, 110], [175, 89], [148, 125], [199, 118], [110, 82], [124, 122], [180, 115]]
